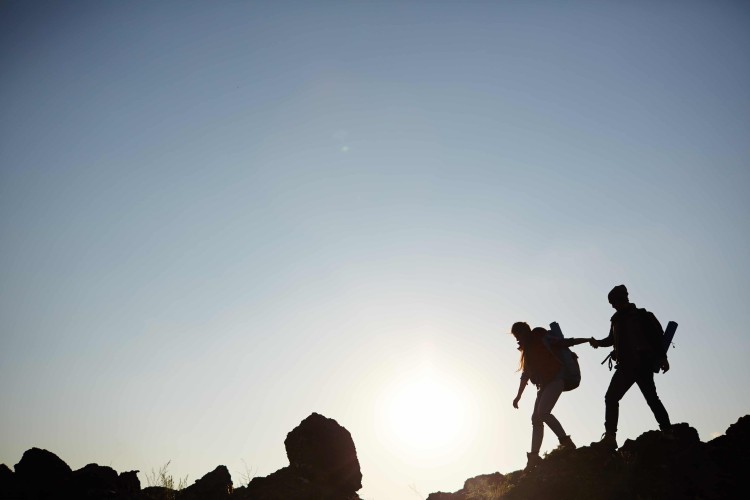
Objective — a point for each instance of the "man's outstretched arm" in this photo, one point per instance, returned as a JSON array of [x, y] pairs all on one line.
[[607, 341]]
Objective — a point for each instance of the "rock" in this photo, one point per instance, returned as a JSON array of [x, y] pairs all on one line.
[[484, 486], [284, 484], [664, 468], [8, 483], [94, 481], [651, 466], [323, 452], [729, 455], [157, 493], [323, 465], [41, 473], [216, 485], [739, 432], [459, 495], [128, 482]]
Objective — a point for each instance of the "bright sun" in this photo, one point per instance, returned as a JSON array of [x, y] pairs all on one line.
[[425, 416]]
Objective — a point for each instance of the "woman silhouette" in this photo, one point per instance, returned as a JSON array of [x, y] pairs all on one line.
[[541, 364]]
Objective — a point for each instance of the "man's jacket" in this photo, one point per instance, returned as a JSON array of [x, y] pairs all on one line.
[[637, 336]]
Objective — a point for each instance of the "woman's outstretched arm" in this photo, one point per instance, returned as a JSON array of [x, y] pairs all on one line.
[[521, 387]]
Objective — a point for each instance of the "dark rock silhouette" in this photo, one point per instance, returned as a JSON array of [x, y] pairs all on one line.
[[95, 480], [157, 493], [321, 450], [323, 464], [279, 485], [648, 467], [728, 456], [41, 474], [8, 484], [128, 482], [216, 485]]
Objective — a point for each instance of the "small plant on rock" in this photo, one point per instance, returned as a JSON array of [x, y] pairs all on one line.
[[164, 479], [246, 476]]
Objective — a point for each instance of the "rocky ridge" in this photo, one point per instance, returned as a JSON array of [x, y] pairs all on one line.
[[649, 467], [323, 465]]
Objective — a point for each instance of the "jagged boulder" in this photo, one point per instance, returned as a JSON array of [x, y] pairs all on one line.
[[323, 464], [157, 493], [128, 482], [8, 484], [41, 474], [672, 468], [322, 451], [284, 484], [94, 481], [216, 485], [729, 454]]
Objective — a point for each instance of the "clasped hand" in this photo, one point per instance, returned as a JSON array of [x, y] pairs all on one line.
[[664, 365]]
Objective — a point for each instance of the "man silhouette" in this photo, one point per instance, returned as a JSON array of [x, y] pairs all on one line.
[[639, 352]]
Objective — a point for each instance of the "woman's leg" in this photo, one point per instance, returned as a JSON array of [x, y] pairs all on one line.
[[546, 398], [537, 425]]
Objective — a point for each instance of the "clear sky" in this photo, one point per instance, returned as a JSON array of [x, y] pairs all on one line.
[[219, 217]]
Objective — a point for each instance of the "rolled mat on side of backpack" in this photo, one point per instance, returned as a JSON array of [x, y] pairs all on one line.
[[669, 334]]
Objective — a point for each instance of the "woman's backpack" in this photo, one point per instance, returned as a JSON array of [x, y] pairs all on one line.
[[568, 359]]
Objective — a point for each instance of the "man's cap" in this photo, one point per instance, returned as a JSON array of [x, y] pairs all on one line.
[[618, 292]]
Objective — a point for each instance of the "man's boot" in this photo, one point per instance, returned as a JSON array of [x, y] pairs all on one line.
[[566, 444], [608, 441], [667, 432]]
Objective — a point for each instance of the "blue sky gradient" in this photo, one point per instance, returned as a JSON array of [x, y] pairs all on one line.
[[217, 218]]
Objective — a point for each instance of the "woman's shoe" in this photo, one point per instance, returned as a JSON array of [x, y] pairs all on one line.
[[566, 444], [532, 460]]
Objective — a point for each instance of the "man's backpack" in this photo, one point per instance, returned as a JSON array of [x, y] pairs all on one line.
[[664, 336], [650, 321], [568, 359]]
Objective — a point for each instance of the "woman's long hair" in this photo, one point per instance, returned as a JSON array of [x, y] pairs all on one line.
[[525, 342], [522, 342], [521, 331]]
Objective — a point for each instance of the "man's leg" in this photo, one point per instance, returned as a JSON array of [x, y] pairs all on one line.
[[622, 380], [645, 381]]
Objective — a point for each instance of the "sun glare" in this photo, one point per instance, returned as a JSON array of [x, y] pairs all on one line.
[[425, 417]]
